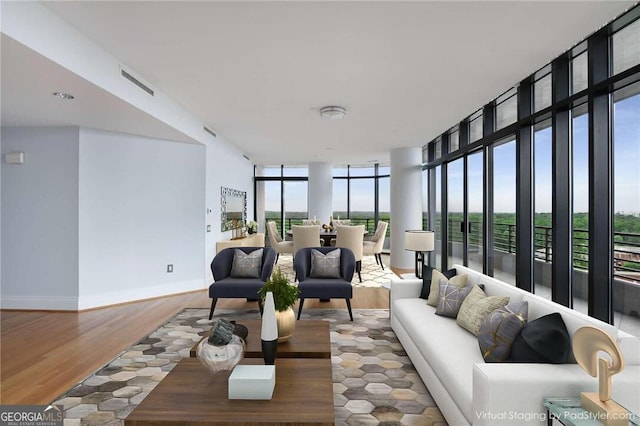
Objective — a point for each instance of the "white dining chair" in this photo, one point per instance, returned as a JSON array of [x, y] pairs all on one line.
[[375, 245], [276, 241], [305, 236], [352, 237]]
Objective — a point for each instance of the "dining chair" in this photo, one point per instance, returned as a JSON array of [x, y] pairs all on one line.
[[352, 237], [341, 222], [305, 236], [307, 222], [276, 241], [375, 245]]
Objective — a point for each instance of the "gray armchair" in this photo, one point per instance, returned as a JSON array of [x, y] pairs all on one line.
[[226, 286], [325, 288]]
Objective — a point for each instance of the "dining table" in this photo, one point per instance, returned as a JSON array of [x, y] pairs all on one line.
[[325, 236]]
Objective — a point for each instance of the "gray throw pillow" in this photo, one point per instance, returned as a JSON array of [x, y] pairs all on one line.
[[476, 306], [437, 277], [450, 297], [246, 265], [325, 265], [499, 329]]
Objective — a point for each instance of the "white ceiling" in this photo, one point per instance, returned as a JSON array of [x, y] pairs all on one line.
[[257, 72]]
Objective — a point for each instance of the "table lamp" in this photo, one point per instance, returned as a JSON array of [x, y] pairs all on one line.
[[420, 242]]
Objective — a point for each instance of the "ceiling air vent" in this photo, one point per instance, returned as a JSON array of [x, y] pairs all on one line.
[[211, 132], [136, 82]]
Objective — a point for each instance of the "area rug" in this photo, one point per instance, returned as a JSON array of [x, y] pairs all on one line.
[[372, 274], [374, 382]]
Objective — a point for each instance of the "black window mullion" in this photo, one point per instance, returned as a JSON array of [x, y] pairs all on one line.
[[524, 191], [561, 198], [488, 209], [600, 183], [488, 128], [376, 192], [444, 222], [465, 211], [432, 207]]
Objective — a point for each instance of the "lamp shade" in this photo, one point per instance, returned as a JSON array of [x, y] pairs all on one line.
[[419, 240]]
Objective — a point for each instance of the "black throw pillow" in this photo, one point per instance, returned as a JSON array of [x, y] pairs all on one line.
[[426, 280], [544, 340]]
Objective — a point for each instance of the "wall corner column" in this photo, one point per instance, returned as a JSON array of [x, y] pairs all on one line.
[[406, 202]]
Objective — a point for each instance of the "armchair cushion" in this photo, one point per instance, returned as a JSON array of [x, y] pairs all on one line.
[[247, 265], [325, 265]]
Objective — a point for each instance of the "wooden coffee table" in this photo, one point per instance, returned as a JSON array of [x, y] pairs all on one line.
[[191, 395], [309, 340]]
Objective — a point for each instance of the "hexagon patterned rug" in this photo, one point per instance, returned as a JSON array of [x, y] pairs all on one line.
[[374, 382]]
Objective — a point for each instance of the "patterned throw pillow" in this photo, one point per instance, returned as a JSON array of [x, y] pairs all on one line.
[[451, 296], [477, 306], [325, 265], [434, 284], [246, 265], [499, 329], [427, 277]]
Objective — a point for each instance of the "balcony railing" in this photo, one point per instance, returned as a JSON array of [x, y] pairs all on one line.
[[626, 254]]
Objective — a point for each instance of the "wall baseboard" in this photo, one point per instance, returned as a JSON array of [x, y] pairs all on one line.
[[39, 303], [98, 300]]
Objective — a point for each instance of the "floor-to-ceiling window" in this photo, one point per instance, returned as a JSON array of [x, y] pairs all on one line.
[[475, 227], [504, 211], [580, 207], [570, 171], [543, 226], [626, 224], [438, 221], [455, 212]]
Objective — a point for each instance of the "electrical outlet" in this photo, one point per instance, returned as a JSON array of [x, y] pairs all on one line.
[[170, 267]]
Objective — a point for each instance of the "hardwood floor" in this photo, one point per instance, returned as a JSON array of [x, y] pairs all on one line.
[[44, 353]]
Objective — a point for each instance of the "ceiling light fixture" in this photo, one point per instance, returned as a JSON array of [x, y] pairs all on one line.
[[63, 95], [332, 112]]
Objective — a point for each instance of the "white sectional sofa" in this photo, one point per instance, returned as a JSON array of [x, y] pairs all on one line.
[[469, 391]]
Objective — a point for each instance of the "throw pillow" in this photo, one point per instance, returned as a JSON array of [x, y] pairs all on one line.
[[427, 273], [544, 340], [498, 330], [435, 277], [476, 306], [246, 265], [325, 265], [451, 296]]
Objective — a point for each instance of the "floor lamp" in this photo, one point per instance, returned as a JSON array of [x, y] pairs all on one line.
[[420, 242]]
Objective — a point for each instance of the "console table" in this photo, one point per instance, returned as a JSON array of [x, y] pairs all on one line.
[[251, 240]]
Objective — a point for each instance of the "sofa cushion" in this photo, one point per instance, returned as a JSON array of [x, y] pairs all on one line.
[[545, 340], [451, 296], [246, 265], [499, 329], [434, 290], [325, 265], [476, 306], [427, 278]]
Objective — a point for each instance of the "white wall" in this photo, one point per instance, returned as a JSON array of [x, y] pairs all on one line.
[[225, 167], [142, 206], [40, 219]]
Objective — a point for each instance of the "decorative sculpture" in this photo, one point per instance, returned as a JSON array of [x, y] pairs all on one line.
[[587, 343], [269, 330]]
